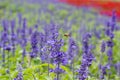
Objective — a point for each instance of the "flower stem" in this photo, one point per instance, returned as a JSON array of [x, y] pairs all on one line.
[[3, 56], [58, 72]]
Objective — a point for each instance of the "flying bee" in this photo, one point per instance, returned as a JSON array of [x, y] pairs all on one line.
[[67, 34]]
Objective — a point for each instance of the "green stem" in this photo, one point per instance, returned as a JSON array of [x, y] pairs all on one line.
[[58, 73]]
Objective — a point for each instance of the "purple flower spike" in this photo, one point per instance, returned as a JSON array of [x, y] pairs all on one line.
[[87, 58], [117, 67], [34, 44], [103, 47]]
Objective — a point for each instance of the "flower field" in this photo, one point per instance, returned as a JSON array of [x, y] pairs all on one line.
[[53, 40]]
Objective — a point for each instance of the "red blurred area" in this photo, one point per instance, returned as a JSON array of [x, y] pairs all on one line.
[[103, 6]]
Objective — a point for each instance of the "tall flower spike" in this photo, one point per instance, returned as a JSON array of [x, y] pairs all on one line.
[[34, 44], [42, 47], [110, 44], [20, 74], [103, 70], [13, 37], [117, 67], [57, 56], [23, 35], [72, 49], [113, 21], [5, 38], [19, 19], [87, 58], [71, 53], [103, 46]]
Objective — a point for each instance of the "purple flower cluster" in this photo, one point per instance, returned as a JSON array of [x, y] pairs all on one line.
[[103, 70], [103, 46], [72, 49], [34, 44], [20, 74], [23, 35], [110, 33], [4, 39], [13, 36], [56, 56], [117, 67], [87, 58]]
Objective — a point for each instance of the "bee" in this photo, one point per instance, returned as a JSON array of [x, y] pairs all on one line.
[[67, 34]]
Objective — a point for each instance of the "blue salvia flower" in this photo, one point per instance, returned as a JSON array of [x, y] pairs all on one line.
[[72, 49], [72, 52], [5, 38], [23, 35], [20, 74], [107, 29], [7, 48], [42, 47], [58, 71], [87, 58], [34, 45], [85, 42], [110, 54], [36, 27], [30, 31], [13, 37], [103, 46], [97, 33], [103, 71], [117, 67], [57, 56], [48, 38], [19, 19], [44, 39], [110, 44], [18, 34], [113, 23], [46, 32]]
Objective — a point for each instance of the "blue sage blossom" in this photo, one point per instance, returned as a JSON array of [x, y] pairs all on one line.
[[13, 36], [117, 67], [23, 36], [72, 52], [20, 74], [103, 70], [4, 39], [87, 58], [43, 48], [103, 46], [109, 31], [34, 44], [56, 56], [72, 49], [110, 44]]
